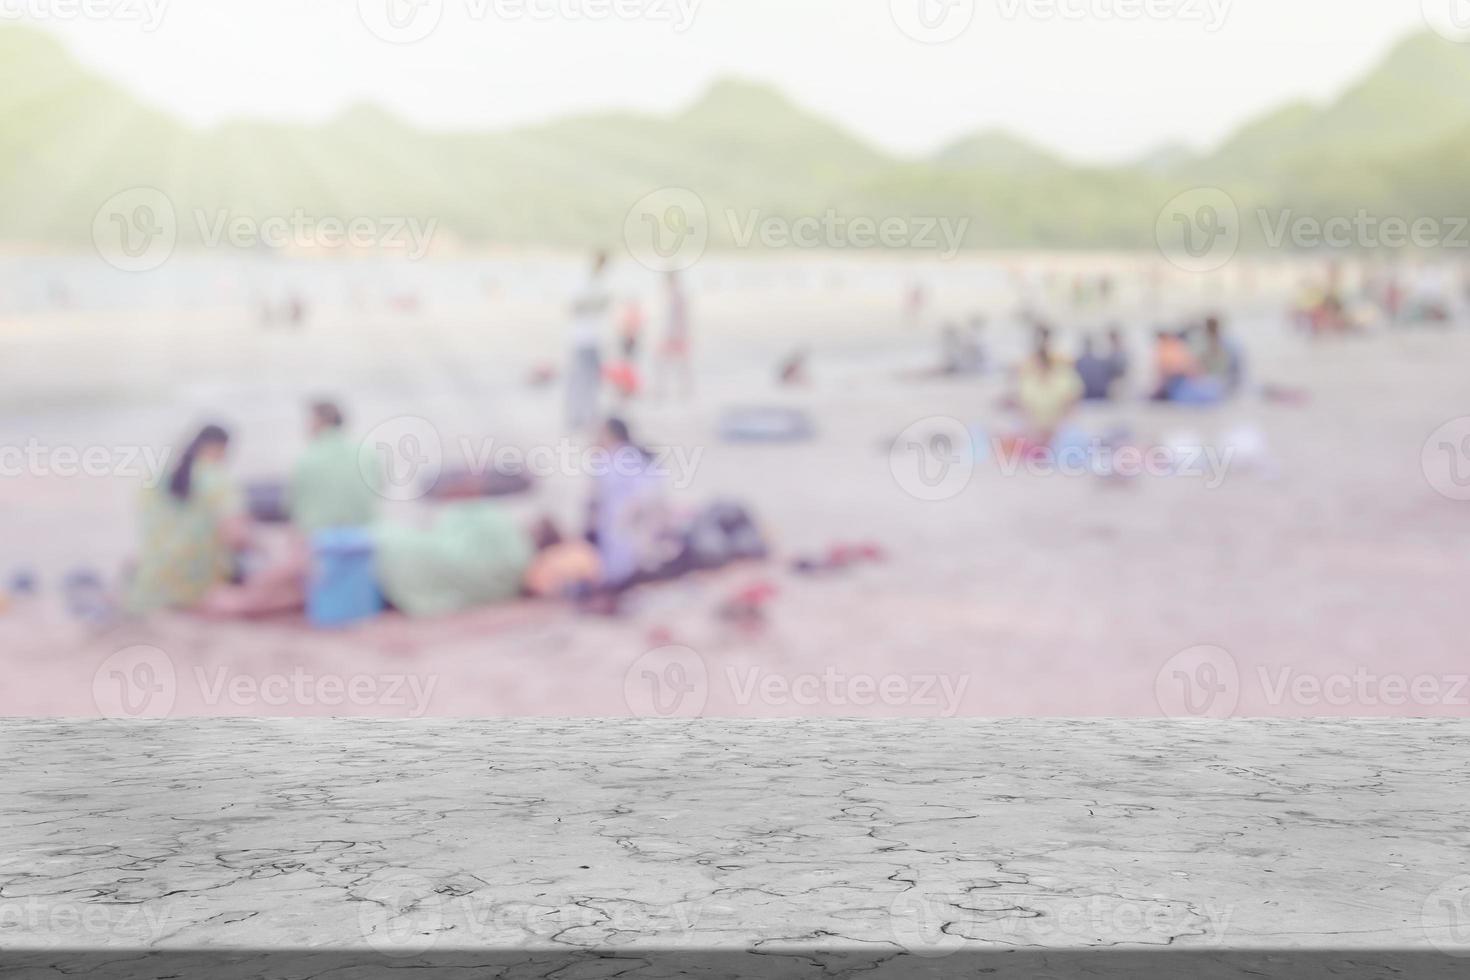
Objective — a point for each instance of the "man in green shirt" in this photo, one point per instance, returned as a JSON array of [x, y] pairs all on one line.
[[330, 489]]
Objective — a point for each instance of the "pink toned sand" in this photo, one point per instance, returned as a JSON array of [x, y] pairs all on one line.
[[1329, 555]]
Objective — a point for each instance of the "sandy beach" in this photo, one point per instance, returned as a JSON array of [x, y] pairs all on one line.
[[1311, 573]]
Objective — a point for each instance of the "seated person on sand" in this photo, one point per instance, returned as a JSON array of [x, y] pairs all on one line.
[[1048, 389], [1100, 373], [329, 490], [1174, 363], [192, 528], [630, 521], [639, 535], [1181, 377]]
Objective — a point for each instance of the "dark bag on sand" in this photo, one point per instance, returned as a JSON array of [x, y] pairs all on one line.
[[466, 485], [723, 533], [267, 502]]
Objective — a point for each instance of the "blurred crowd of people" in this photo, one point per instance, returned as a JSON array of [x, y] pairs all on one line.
[[206, 547]]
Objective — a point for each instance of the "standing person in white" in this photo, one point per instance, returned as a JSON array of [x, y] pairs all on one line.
[[590, 313]]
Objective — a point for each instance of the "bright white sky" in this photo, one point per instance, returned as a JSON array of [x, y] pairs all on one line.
[[1096, 88]]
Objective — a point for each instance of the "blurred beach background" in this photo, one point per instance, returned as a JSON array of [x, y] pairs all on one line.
[[1326, 545]]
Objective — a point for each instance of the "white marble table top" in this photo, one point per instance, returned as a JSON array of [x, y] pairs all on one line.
[[826, 848]]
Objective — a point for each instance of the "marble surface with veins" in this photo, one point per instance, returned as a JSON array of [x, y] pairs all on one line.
[[838, 847]]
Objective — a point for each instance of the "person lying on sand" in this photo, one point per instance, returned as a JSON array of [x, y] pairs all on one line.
[[476, 554]]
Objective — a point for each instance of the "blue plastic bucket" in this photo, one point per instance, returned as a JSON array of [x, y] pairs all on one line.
[[344, 586]]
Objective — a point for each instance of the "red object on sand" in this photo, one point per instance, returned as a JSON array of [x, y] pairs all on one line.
[[756, 595]]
